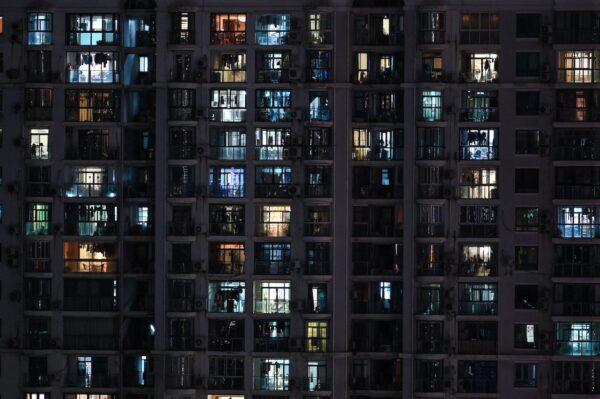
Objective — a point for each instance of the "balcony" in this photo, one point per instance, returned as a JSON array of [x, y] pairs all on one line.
[[580, 191], [90, 266], [588, 308], [227, 229], [480, 308], [269, 267], [139, 229], [39, 190], [92, 153], [91, 190], [234, 383], [182, 267], [478, 231], [375, 383], [38, 303], [90, 342], [90, 304], [477, 269], [138, 379], [272, 344], [37, 380], [381, 306], [179, 381], [181, 343], [182, 229], [316, 384], [91, 228], [225, 344], [317, 268], [92, 380], [477, 347], [576, 269]]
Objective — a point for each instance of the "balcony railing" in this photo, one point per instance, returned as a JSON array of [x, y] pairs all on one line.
[[477, 308], [268, 267], [377, 306], [375, 267], [91, 266], [589, 308], [477, 269], [573, 269], [95, 380], [91, 228], [182, 229], [565, 191], [226, 383], [138, 379], [225, 344], [317, 268], [216, 267], [92, 342], [181, 343], [471, 385], [226, 229], [90, 304], [91, 190], [272, 344], [476, 347]]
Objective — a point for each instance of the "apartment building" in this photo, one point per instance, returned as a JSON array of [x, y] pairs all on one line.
[[310, 199]]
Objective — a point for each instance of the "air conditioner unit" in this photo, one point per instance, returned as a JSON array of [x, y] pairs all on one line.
[[448, 192], [294, 190], [200, 229], [199, 305], [546, 109], [199, 267], [200, 343], [200, 150], [294, 36], [295, 73], [296, 114]]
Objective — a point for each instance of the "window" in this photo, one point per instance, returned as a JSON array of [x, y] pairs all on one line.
[[273, 106], [228, 144], [526, 257], [318, 258], [528, 103], [477, 299], [480, 28], [182, 28], [318, 143], [430, 143], [431, 106], [318, 181], [38, 219], [526, 297], [431, 64], [226, 296], [378, 29], [273, 181], [317, 221], [577, 339], [577, 105], [526, 181], [478, 183], [272, 258], [527, 142], [377, 144], [89, 257], [181, 104], [39, 63], [92, 67], [272, 66], [480, 68], [318, 109], [227, 105], [478, 144], [525, 336], [320, 65], [92, 105], [526, 375], [577, 222], [316, 336], [39, 143], [228, 29], [272, 297], [92, 30], [273, 220], [573, 27], [271, 374], [272, 144], [91, 219], [478, 221], [182, 143], [272, 29], [319, 28], [528, 26], [227, 182], [38, 104], [528, 65], [432, 27], [362, 67], [39, 28], [478, 260], [228, 67], [377, 106], [227, 257], [527, 219], [578, 66], [479, 106]]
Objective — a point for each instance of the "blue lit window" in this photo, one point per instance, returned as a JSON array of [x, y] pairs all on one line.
[[273, 105], [431, 106], [39, 28], [227, 182], [578, 222], [319, 107], [272, 29], [478, 144]]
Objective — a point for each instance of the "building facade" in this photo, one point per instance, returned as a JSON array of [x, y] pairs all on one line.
[[313, 199]]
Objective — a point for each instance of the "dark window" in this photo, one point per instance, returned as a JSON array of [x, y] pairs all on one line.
[[526, 181], [528, 26], [527, 142], [526, 257], [528, 103], [526, 297], [528, 64], [527, 219], [525, 375]]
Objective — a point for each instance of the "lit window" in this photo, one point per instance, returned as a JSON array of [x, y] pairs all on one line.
[[480, 28], [143, 63], [431, 106], [273, 220], [579, 66], [39, 28], [90, 257], [480, 67], [228, 29], [92, 30], [272, 297], [478, 183], [91, 67], [272, 29], [39, 140]]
